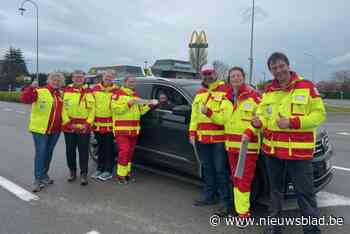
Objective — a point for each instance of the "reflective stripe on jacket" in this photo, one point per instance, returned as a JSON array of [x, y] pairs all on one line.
[[236, 119], [45, 117], [301, 103], [126, 118], [201, 126], [78, 109], [103, 113]]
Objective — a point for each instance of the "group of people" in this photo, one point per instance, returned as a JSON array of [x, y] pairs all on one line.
[[281, 124], [112, 113]]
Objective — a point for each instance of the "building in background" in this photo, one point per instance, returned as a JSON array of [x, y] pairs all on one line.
[[121, 71], [171, 68]]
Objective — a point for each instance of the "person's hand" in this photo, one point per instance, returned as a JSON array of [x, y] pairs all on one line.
[[256, 122], [131, 102], [85, 127], [192, 140], [154, 102], [35, 84], [283, 122], [204, 109], [245, 138]]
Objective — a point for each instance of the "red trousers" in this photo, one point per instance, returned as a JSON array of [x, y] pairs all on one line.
[[126, 148], [242, 186]]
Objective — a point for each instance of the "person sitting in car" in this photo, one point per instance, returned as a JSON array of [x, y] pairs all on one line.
[[164, 102]]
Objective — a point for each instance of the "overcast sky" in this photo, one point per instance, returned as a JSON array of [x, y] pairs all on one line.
[[78, 34]]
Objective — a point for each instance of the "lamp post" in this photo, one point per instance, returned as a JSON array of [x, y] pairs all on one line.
[[251, 59], [312, 65], [22, 10]]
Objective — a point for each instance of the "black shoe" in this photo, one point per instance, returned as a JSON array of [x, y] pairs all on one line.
[[223, 212], [83, 180], [122, 180], [273, 230], [130, 179], [204, 203], [72, 177]]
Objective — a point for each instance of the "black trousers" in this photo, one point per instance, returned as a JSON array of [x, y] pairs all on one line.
[[106, 156], [80, 141], [301, 174]]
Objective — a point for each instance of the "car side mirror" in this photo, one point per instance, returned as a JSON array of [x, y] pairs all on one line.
[[182, 110]]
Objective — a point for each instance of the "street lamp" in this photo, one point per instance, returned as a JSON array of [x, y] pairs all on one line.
[[251, 45], [312, 65], [22, 10]]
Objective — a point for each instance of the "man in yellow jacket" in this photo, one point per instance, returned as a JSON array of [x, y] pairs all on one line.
[[209, 139], [77, 119], [127, 108], [236, 116], [289, 114], [103, 126]]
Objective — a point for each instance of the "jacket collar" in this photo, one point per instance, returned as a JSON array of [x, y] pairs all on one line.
[[128, 91], [275, 86], [106, 88]]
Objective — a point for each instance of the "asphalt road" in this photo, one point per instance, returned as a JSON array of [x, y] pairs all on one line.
[[154, 204]]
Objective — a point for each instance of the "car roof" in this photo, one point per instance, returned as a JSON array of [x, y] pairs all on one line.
[[181, 82]]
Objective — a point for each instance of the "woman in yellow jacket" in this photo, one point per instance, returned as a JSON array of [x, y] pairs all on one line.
[[77, 118], [103, 126], [236, 115], [127, 108]]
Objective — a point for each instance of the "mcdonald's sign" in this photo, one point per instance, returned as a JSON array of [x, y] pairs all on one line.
[[198, 40]]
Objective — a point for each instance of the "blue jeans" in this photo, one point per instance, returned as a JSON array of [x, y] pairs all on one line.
[[216, 174], [44, 145]]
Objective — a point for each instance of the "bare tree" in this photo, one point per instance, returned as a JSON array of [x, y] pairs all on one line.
[[221, 69], [342, 79]]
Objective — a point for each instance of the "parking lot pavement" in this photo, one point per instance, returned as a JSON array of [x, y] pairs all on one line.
[[154, 204]]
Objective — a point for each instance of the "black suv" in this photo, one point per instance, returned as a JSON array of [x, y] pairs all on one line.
[[164, 138]]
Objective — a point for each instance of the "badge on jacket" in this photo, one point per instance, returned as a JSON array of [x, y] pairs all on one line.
[[300, 98], [269, 110]]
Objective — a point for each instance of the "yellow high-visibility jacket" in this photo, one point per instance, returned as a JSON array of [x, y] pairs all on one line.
[[126, 118], [78, 108], [301, 103], [237, 118], [103, 113], [201, 126]]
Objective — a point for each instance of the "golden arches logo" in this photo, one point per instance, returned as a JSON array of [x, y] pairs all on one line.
[[198, 38]]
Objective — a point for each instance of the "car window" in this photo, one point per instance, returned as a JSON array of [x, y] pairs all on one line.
[[144, 90], [170, 97]]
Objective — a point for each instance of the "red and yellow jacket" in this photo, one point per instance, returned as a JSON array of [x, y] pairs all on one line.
[[45, 117], [237, 117], [78, 109], [302, 104], [201, 126], [126, 118], [103, 113]]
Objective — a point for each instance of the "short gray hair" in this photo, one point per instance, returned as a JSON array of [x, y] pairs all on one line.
[[55, 75], [109, 71], [78, 72]]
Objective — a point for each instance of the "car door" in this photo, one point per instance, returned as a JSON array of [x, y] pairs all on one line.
[[164, 134]]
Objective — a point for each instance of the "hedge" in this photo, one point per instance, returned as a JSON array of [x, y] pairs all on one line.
[[335, 95], [9, 96]]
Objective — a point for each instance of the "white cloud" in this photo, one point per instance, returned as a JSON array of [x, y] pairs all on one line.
[[340, 60]]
